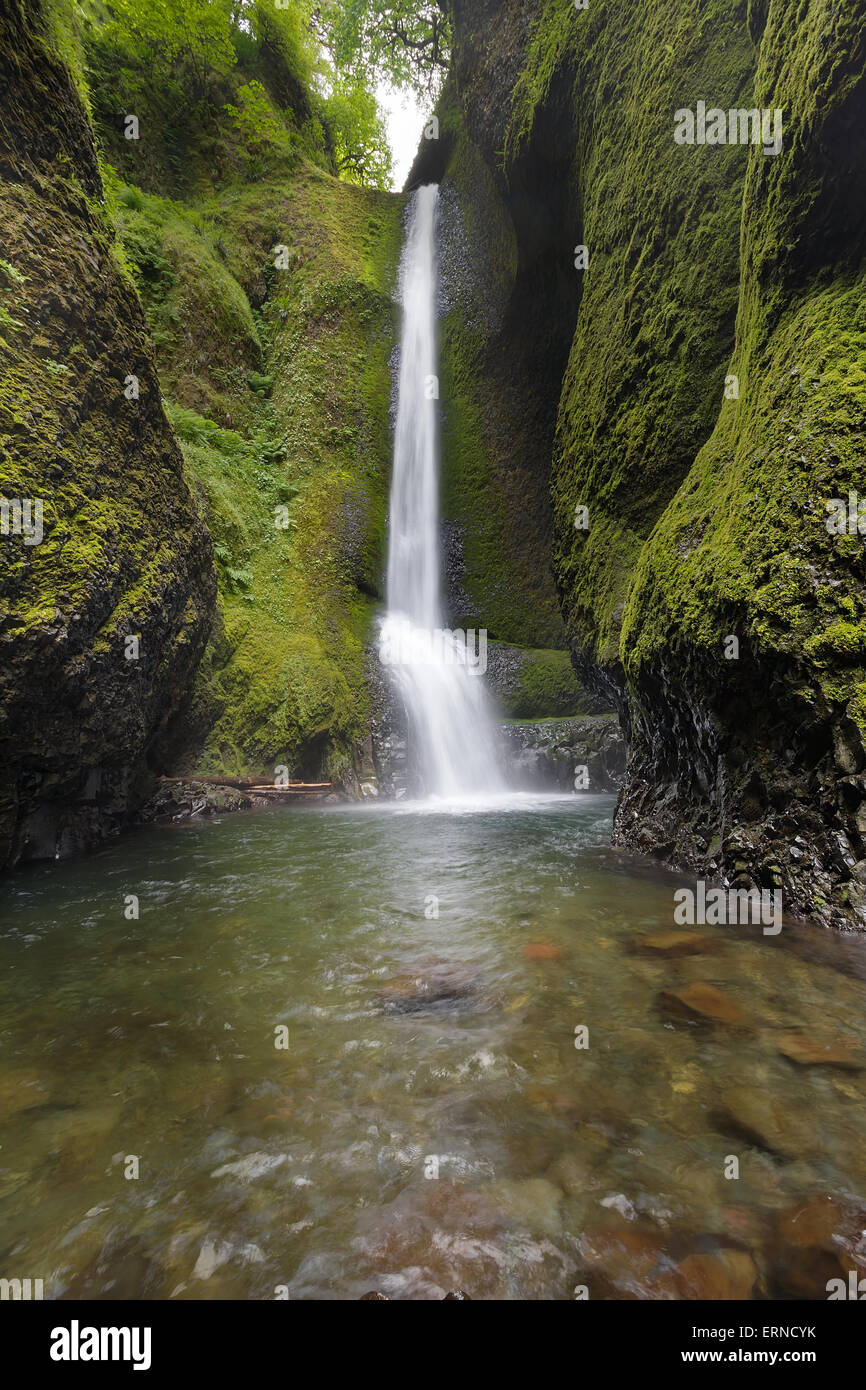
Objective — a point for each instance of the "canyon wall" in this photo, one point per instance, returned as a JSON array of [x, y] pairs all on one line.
[[709, 408]]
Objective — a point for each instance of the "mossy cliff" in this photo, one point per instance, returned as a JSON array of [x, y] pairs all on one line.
[[269, 285], [85, 712], [705, 497], [279, 389], [197, 326], [501, 354]]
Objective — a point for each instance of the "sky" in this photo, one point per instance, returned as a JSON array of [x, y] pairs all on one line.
[[406, 121]]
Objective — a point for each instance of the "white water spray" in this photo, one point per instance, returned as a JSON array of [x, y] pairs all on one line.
[[437, 673]]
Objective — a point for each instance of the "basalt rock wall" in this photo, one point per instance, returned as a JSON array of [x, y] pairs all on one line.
[[710, 401]]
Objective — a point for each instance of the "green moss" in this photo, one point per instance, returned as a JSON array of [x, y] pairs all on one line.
[[744, 547], [546, 687], [494, 466], [645, 378], [285, 405]]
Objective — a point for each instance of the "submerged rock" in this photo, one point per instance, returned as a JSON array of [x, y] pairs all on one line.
[[702, 1003], [722, 1274], [813, 1052], [541, 950], [815, 1241], [671, 943], [764, 1120], [437, 985]]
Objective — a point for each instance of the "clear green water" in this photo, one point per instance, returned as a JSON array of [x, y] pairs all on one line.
[[409, 1037]]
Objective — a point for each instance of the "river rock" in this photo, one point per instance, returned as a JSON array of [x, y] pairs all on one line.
[[436, 984], [815, 1052], [671, 944], [722, 1274], [702, 1003], [624, 1262], [572, 1173], [763, 1120], [532, 1204], [814, 1241], [541, 950]]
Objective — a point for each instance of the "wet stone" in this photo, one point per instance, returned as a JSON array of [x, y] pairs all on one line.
[[817, 1240], [436, 985], [671, 944], [815, 1052], [724, 1274], [760, 1118], [702, 1003], [541, 950]]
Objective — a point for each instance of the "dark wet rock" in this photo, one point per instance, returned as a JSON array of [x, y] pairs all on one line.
[[671, 944], [435, 985], [814, 1241], [702, 1003], [457, 1298], [125, 551], [545, 754], [373, 1297], [181, 801]]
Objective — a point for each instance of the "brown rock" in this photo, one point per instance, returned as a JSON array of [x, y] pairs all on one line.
[[671, 944], [815, 1241], [815, 1052], [724, 1274], [624, 1262], [541, 950], [703, 1003]]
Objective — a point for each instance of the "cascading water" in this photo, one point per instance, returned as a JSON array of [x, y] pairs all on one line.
[[438, 673]]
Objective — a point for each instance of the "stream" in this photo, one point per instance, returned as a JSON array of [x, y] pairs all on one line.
[[340, 1043]]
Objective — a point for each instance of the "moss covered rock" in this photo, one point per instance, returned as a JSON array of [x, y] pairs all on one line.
[[270, 290], [711, 406], [103, 622]]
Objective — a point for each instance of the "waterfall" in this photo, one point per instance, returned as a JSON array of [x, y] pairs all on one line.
[[439, 674]]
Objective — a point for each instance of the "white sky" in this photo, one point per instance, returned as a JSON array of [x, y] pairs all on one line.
[[406, 121]]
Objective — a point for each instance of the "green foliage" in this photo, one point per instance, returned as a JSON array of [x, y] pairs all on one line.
[[225, 87], [546, 687], [405, 42], [360, 140], [255, 118], [189, 38]]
